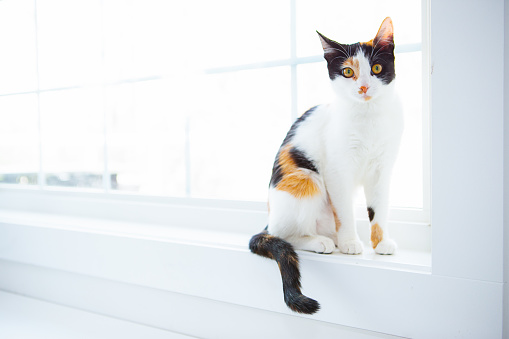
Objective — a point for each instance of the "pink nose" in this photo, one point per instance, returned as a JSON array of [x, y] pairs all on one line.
[[363, 89]]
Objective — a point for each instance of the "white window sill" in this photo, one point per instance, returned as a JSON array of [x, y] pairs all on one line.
[[404, 259]]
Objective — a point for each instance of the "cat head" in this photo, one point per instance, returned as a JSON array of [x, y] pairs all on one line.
[[361, 71]]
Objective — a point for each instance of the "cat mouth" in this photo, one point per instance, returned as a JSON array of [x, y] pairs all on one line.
[[365, 96]]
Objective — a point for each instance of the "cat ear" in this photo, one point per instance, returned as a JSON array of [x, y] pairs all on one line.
[[385, 35], [331, 48]]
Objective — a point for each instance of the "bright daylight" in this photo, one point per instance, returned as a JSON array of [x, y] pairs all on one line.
[[238, 169]]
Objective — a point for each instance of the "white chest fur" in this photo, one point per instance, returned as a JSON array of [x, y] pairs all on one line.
[[352, 137]]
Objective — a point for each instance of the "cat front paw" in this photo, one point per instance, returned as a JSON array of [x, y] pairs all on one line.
[[386, 246], [350, 246]]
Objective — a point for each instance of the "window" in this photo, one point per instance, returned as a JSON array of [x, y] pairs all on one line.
[[183, 100], [468, 189]]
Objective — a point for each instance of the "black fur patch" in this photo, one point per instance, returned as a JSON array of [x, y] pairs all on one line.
[[298, 156], [277, 173], [371, 213], [296, 124], [300, 159], [376, 53]]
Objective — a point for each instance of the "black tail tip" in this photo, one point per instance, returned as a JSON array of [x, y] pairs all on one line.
[[302, 304]]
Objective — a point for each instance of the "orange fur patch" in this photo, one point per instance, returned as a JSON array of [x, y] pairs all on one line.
[[294, 180], [368, 43], [336, 219], [353, 64], [377, 234]]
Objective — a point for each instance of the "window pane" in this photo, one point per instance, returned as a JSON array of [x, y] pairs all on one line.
[[330, 18], [17, 38], [69, 37], [407, 182], [232, 32], [19, 139], [314, 86], [142, 38], [147, 38], [147, 137], [72, 137], [237, 125]]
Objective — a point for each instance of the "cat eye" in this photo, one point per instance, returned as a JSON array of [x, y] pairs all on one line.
[[376, 68], [348, 72]]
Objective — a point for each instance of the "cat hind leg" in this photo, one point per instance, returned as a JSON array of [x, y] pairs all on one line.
[[296, 220]]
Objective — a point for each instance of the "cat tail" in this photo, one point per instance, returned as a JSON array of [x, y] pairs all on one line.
[[283, 253]]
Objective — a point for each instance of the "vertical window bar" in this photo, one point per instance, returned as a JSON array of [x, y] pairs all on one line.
[[41, 178], [106, 170], [188, 156], [293, 58]]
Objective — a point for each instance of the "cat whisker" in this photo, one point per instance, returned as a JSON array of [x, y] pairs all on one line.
[[344, 52], [336, 58], [379, 54]]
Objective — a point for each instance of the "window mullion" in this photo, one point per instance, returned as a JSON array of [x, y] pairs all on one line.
[[106, 170], [293, 57], [41, 178]]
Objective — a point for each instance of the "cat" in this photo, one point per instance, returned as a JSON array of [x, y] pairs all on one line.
[[328, 153]]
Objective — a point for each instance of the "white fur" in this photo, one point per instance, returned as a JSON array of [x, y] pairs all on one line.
[[353, 142]]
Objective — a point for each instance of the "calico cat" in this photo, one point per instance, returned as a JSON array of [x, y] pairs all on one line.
[[328, 153]]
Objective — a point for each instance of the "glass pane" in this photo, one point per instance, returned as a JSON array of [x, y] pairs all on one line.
[[147, 137], [72, 137], [407, 179], [69, 34], [19, 139], [17, 38], [237, 125], [141, 38], [330, 18], [147, 38], [229, 32], [314, 86]]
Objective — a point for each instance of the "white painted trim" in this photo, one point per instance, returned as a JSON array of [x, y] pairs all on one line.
[[166, 315], [467, 142], [506, 173], [23, 317], [352, 291], [426, 108]]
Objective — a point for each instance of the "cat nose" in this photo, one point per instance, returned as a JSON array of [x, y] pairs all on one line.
[[363, 89]]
